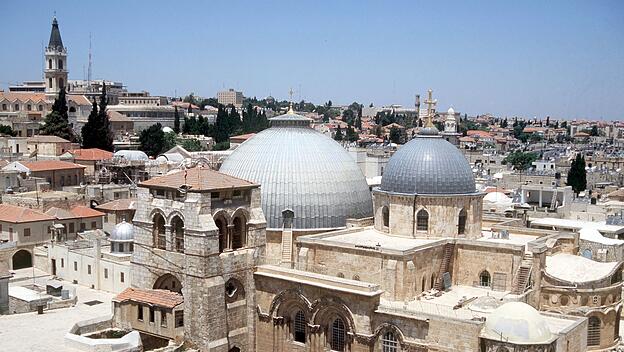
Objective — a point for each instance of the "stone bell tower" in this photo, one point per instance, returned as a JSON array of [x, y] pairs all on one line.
[[55, 71]]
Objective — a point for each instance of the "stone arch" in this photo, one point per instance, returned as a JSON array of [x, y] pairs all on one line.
[[168, 282], [222, 219], [286, 299], [239, 228], [593, 331], [433, 279], [422, 220], [234, 290], [385, 216], [177, 228], [326, 308], [158, 230], [22, 259], [384, 329], [174, 214], [462, 219], [485, 279]]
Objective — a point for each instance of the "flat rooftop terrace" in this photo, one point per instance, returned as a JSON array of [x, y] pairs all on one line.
[[367, 238]]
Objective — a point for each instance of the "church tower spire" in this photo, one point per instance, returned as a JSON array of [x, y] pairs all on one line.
[[55, 72]]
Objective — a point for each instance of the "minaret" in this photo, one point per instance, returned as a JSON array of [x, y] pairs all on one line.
[[450, 124], [55, 72]]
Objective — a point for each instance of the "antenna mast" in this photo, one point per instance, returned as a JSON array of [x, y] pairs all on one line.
[[89, 69]]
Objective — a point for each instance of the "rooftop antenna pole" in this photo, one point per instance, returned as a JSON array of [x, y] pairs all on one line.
[[90, 64]]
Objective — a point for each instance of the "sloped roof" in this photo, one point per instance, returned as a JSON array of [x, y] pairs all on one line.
[[160, 298], [40, 138], [115, 116], [15, 214], [55, 36], [81, 211], [60, 213], [92, 154], [119, 205], [46, 165], [199, 179], [22, 96]]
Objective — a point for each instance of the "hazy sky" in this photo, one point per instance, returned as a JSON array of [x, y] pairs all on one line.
[[527, 58]]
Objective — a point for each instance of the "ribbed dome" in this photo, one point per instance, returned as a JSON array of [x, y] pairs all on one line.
[[302, 170], [122, 232], [517, 323], [428, 164]]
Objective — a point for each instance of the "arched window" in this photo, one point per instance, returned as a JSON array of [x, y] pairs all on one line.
[[61, 83], [593, 332], [433, 279], [234, 291], [50, 64], [424, 282], [385, 214], [168, 282], [461, 222], [337, 335], [222, 225], [60, 64], [177, 226], [240, 232], [485, 279], [422, 220], [389, 342], [50, 82], [356, 277], [158, 232], [299, 327], [340, 275]]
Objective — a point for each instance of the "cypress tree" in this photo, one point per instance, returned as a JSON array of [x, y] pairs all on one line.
[[97, 132], [577, 176], [57, 121], [176, 121], [338, 136]]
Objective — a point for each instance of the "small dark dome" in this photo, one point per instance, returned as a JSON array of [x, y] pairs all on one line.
[[428, 164]]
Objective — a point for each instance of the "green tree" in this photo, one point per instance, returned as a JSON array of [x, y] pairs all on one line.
[[594, 131], [520, 160], [97, 132], [577, 176], [352, 135], [191, 145], [338, 136], [56, 122], [152, 140], [176, 121], [7, 130], [395, 135]]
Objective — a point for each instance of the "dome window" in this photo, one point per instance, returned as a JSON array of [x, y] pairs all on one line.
[[422, 220], [485, 280]]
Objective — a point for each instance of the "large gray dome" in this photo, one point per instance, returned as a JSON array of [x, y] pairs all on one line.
[[428, 164], [302, 170], [123, 232]]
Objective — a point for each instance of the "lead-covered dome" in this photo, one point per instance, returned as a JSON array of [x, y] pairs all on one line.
[[302, 170], [131, 155], [428, 164], [123, 232], [518, 323]]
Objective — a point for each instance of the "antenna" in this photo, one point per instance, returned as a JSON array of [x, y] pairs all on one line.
[[90, 63]]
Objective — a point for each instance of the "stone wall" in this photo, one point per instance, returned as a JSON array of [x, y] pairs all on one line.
[[500, 260]]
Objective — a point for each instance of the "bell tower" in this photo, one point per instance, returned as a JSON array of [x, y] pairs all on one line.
[[55, 71]]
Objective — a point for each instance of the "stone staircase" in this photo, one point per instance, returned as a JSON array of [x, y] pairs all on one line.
[[523, 275], [444, 265]]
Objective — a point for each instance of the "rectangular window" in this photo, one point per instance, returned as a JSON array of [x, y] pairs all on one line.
[[83, 226], [93, 225], [71, 227], [62, 263], [163, 318], [179, 318], [89, 269], [214, 195], [151, 314], [105, 273], [75, 266], [140, 312], [122, 277], [26, 232]]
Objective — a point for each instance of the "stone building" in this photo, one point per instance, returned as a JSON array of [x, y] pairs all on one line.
[[202, 233], [419, 275]]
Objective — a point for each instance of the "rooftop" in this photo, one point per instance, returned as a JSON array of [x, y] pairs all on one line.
[[50, 165], [198, 179], [15, 214], [574, 268], [40, 138], [92, 154], [119, 205], [578, 224], [160, 298]]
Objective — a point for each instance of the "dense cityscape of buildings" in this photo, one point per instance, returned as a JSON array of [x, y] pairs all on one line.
[[330, 228]]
